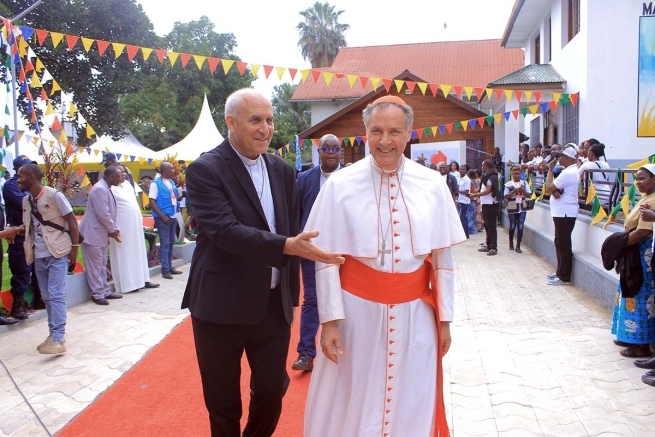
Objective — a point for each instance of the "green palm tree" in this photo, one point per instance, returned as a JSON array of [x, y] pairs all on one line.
[[321, 34]]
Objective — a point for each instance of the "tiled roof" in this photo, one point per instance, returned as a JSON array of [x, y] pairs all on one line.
[[465, 63], [530, 74]]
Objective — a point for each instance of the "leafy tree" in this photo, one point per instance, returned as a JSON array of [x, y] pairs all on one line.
[[291, 118], [321, 34]]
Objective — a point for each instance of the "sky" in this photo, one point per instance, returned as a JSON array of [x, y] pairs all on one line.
[[266, 33]]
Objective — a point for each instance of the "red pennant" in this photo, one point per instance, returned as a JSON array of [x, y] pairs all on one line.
[[44, 96], [419, 132], [480, 121], [410, 86], [21, 76], [499, 94], [41, 35], [518, 95], [33, 115], [28, 66], [363, 80], [553, 104], [479, 92], [80, 171], [449, 127], [364, 139], [71, 41], [102, 46], [537, 96], [242, 67], [160, 55], [56, 125], [269, 68], [458, 91], [28, 94], [213, 63], [292, 72], [434, 87], [515, 113], [315, 74], [574, 98], [132, 51], [387, 84], [184, 57]]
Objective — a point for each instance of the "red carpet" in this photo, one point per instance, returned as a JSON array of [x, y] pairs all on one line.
[[162, 396]]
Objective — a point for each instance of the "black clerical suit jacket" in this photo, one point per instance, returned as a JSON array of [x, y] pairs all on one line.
[[230, 277]]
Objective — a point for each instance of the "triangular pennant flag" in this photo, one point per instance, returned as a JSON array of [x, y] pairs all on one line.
[[39, 65], [118, 49], [327, 76], [463, 124], [146, 52], [564, 100], [56, 125], [102, 46], [423, 86], [387, 84], [472, 123], [200, 60], [227, 64], [468, 91], [118, 156], [89, 131], [544, 107], [599, 216], [556, 96], [49, 109], [442, 128], [528, 96], [87, 43], [150, 161], [507, 115], [480, 121], [80, 171], [458, 91], [515, 113], [478, 93], [426, 132], [574, 98], [62, 137], [625, 204], [489, 92], [490, 120], [519, 94], [160, 55], [553, 104], [363, 80], [434, 131], [434, 87], [537, 96], [213, 63], [72, 109], [55, 87], [508, 94], [27, 32], [499, 94], [132, 51], [591, 193], [419, 132], [375, 81], [132, 158], [85, 182], [172, 57], [142, 159], [533, 109], [351, 79], [303, 74], [269, 68], [280, 72], [445, 89], [410, 86], [292, 73], [498, 117], [242, 67], [35, 82], [71, 40], [56, 38], [399, 84], [315, 75], [28, 66], [95, 152], [184, 58], [346, 141]]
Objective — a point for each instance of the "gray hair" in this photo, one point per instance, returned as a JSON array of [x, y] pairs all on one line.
[[328, 137], [368, 112], [236, 98]]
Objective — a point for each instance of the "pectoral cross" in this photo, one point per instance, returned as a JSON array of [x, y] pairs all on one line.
[[383, 252]]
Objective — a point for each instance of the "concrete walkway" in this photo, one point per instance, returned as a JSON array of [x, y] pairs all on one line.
[[528, 359]]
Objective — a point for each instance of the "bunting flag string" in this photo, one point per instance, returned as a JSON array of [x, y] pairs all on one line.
[[131, 51]]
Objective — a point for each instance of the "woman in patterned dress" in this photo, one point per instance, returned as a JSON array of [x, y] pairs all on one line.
[[475, 204], [634, 318]]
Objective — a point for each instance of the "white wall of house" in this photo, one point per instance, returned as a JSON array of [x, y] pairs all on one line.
[[323, 109]]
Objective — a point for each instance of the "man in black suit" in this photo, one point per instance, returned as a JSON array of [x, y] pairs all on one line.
[[451, 180], [244, 280], [309, 184]]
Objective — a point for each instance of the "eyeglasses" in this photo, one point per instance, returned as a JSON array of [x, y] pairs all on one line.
[[327, 149]]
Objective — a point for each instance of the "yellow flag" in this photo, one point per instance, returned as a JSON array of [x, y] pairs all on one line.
[[625, 204], [609, 220], [591, 194], [144, 199], [55, 87], [95, 152], [304, 74], [434, 131], [327, 76], [199, 60], [351, 79], [254, 68], [35, 83], [445, 89], [87, 43], [489, 92], [280, 72], [227, 64], [468, 90], [62, 137], [56, 38], [72, 110], [528, 96], [556, 96], [172, 57], [423, 86], [89, 131], [39, 65], [464, 124], [498, 117], [146, 53], [534, 195], [638, 165], [600, 216], [399, 84], [141, 159], [85, 181], [375, 81], [22, 46], [508, 94], [49, 109], [533, 109], [118, 49]]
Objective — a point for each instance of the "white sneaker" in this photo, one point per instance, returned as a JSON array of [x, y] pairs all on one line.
[[552, 276], [558, 281]]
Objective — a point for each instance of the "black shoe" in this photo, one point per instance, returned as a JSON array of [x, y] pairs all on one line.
[[483, 249], [4, 321], [649, 378], [166, 275], [18, 311], [648, 363], [304, 362], [492, 252], [518, 249], [176, 272], [38, 305], [100, 301], [151, 285], [114, 296], [511, 245]]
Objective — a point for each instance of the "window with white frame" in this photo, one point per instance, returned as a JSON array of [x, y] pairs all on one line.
[[535, 131], [571, 123]]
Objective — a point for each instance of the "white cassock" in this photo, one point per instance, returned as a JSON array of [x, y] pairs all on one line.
[[385, 383], [129, 261]]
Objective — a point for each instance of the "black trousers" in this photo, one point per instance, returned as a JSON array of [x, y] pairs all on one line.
[[219, 349], [563, 247], [22, 274], [490, 215]]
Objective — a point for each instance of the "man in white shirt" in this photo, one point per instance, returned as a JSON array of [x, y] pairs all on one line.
[[564, 210], [463, 201]]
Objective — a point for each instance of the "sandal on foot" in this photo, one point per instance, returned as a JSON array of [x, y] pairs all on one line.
[[636, 352]]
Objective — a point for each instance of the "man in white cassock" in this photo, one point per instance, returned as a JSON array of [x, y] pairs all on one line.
[[129, 261], [386, 312]]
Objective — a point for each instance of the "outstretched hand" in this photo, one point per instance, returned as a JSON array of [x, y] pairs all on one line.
[[301, 245]]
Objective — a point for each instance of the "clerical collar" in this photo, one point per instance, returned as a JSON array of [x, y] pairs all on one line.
[[381, 170], [245, 160]]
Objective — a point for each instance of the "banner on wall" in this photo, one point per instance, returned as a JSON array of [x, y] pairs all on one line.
[[646, 94], [433, 153]]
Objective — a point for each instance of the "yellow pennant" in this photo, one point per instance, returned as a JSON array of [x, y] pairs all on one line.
[[464, 124], [254, 68], [399, 84], [638, 165], [227, 64], [591, 194], [90, 131], [445, 89], [172, 57], [423, 86], [434, 131], [528, 96], [20, 135], [508, 94], [96, 152], [599, 216], [498, 117], [468, 90], [39, 65], [351, 79], [72, 110], [35, 83], [49, 109], [489, 92], [22, 47], [199, 60], [625, 204], [142, 159], [534, 195], [280, 71], [118, 49], [609, 220], [556, 96], [87, 43], [85, 181], [304, 74], [533, 109], [62, 136], [75, 160], [55, 87], [146, 53], [327, 76], [375, 81], [56, 38]]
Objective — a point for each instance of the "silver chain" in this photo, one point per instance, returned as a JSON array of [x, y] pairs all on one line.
[[377, 202]]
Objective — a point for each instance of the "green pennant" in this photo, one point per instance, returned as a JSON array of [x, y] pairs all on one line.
[[596, 207], [346, 140], [632, 192], [651, 159], [458, 125], [490, 120], [6, 135], [7, 109], [307, 142], [524, 111], [616, 210], [564, 99], [426, 132]]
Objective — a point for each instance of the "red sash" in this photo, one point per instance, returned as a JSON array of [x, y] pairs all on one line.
[[396, 288]]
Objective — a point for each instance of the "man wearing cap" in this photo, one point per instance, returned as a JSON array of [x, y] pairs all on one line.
[[564, 210], [384, 328], [21, 272], [109, 158]]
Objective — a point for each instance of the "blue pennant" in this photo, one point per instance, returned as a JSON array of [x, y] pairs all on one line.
[[149, 161], [27, 32], [132, 158], [442, 128], [472, 123], [507, 114], [544, 107]]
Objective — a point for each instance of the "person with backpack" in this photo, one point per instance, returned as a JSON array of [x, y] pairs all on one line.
[[489, 196]]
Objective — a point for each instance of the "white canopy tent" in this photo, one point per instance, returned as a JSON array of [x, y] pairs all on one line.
[[125, 147], [203, 137]]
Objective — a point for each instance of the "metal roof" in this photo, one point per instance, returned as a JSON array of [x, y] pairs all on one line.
[[530, 74]]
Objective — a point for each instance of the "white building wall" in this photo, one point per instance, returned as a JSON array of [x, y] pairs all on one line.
[[323, 109]]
